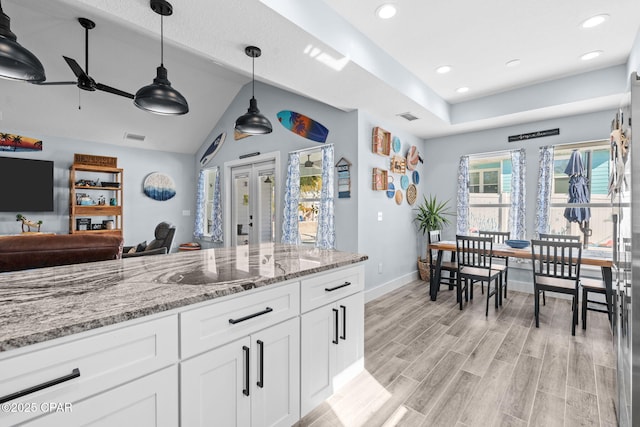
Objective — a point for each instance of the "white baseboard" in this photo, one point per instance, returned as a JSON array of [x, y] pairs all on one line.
[[391, 285]]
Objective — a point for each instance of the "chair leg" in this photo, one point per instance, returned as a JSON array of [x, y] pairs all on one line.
[[575, 315], [584, 308], [466, 289], [486, 311], [459, 291], [471, 289], [536, 306], [500, 289], [506, 273], [544, 298]]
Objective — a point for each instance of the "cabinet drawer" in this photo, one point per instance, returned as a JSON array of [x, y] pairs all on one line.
[[104, 360], [329, 287], [219, 323]]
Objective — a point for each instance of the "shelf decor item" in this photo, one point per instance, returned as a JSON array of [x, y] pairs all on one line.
[[303, 126], [159, 186], [9, 142], [381, 141], [398, 164], [213, 149], [380, 180], [28, 224], [431, 215]]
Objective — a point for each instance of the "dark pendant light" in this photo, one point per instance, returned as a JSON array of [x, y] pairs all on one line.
[[159, 97], [253, 123], [16, 62]]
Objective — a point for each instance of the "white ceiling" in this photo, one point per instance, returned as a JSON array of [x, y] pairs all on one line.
[[390, 65]]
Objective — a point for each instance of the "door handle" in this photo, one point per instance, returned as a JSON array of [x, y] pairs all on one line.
[[335, 322], [75, 373], [245, 391], [261, 363], [344, 322]]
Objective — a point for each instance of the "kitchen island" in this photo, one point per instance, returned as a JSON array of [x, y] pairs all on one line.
[[242, 327]]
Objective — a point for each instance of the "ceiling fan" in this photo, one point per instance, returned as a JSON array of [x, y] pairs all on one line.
[[85, 82], [308, 163]]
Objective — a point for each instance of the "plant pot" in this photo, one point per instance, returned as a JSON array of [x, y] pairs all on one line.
[[423, 269]]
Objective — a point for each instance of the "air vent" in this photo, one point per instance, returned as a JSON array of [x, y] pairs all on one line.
[[134, 137], [408, 116]]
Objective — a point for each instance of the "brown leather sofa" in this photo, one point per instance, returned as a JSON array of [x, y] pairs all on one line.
[[22, 252]]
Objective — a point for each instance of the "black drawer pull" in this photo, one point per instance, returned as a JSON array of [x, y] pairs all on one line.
[[337, 287], [251, 316], [74, 374], [245, 390], [344, 322]]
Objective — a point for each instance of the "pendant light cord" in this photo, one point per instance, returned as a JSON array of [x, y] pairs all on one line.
[[253, 76], [161, 41]]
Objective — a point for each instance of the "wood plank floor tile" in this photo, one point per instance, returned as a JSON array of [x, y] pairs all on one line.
[[520, 394], [506, 420], [603, 351], [404, 417], [421, 344], [581, 374], [455, 397], [416, 329], [553, 376], [373, 361], [582, 408], [481, 356], [391, 370], [426, 362], [484, 405], [536, 342], [398, 392], [471, 338], [606, 381], [427, 393], [511, 346], [548, 411]]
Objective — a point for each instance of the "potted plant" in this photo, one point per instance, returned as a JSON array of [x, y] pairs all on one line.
[[431, 215]]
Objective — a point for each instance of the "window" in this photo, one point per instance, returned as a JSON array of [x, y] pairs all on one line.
[[597, 233], [310, 190], [209, 185], [489, 192]]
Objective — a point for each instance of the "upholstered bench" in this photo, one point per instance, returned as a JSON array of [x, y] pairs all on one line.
[[26, 251]]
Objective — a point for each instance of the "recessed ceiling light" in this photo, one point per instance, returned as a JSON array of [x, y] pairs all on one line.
[[386, 11], [462, 89], [513, 63], [594, 21], [443, 69], [591, 55]]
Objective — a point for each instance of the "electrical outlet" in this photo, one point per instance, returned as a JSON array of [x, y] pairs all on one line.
[[379, 216], [186, 212], [379, 268]]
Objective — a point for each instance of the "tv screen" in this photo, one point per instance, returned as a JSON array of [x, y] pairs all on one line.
[[27, 185]]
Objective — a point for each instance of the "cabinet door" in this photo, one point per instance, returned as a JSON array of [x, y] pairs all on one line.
[[214, 387], [350, 350], [319, 336], [150, 401], [275, 375]]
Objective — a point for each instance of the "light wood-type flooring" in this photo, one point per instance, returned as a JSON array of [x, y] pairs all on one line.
[[430, 364]]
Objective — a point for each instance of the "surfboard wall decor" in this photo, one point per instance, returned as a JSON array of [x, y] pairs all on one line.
[[213, 149], [303, 126], [9, 142]]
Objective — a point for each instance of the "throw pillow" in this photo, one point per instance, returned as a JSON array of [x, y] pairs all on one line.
[[131, 250]]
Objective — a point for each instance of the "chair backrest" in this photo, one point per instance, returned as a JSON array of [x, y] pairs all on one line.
[[433, 236], [497, 236], [164, 234], [559, 237], [474, 251], [556, 259]]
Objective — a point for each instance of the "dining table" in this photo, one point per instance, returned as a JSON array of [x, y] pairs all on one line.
[[589, 257]]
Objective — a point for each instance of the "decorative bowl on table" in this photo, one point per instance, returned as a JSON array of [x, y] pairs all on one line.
[[517, 244]]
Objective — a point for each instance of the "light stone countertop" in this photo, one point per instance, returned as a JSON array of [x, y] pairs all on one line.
[[42, 304]]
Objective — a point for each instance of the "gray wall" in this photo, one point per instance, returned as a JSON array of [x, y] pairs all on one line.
[[392, 243], [343, 133], [141, 213]]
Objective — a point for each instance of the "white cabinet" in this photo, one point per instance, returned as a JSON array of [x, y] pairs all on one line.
[[151, 401], [253, 381], [332, 349]]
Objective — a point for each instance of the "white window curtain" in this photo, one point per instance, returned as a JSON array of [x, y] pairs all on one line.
[[462, 199], [216, 211], [517, 208], [326, 234], [201, 198], [543, 201], [290, 232]]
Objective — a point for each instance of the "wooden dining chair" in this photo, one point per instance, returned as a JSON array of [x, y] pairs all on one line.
[[557, 238], [475, 255], [451, 267], [556, 268], [503, 261]]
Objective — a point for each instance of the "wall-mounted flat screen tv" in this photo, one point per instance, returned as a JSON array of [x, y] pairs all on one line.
[[26, 185]]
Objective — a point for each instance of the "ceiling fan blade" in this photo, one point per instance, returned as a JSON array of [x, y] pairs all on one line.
[[77, 70], [113, 90], [56, 83]]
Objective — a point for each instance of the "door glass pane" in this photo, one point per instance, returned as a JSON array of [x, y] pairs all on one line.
[[241, 209], [267, 208]]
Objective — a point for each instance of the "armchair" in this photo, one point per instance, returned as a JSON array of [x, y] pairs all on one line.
[[164, 234]]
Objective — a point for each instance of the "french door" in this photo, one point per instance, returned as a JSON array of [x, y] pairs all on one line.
[[252, 201]]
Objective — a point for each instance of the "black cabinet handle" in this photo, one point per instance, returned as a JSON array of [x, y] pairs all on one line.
[[261, 364], [335, 322], [251, 316], [337, 287], [344, 322], [74, 374], [245, 391]]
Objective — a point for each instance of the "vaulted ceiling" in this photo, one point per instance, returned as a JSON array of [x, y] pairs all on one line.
[[338, 52]]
